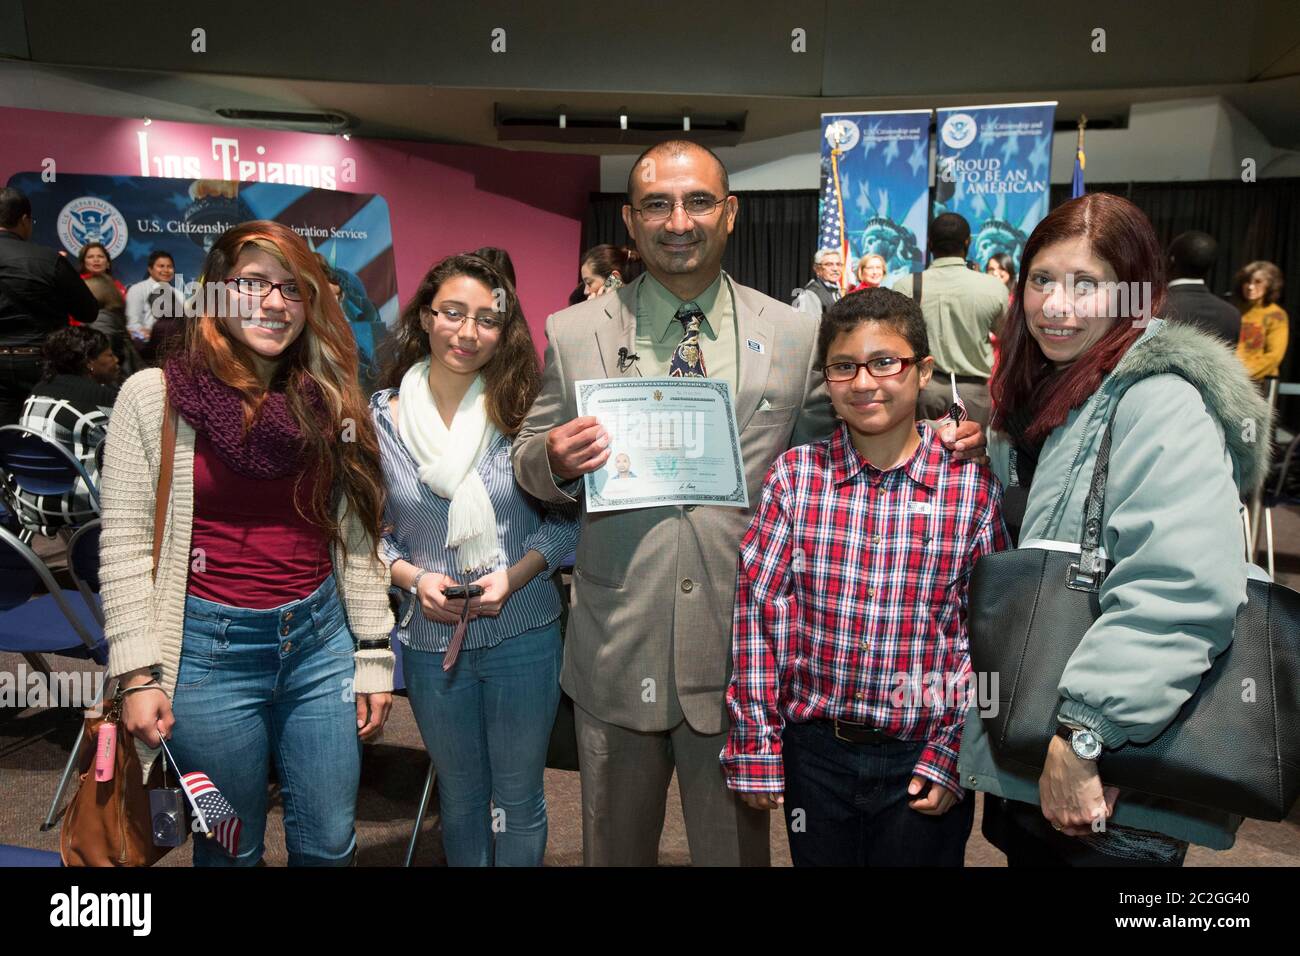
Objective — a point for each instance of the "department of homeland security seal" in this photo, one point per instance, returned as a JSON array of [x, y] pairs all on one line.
[[959, 130], [88, 220]]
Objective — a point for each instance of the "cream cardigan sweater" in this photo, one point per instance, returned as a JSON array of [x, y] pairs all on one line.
[[144, 619]]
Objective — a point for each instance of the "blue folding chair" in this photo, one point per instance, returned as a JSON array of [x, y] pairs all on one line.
[[25, 856], [83, 565], [39, 465], [33, 626], [99, 454]]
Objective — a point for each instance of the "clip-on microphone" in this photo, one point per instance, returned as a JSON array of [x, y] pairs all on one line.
[[625, 359]]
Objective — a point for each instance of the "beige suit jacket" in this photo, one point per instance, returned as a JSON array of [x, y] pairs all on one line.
[[649, 638]]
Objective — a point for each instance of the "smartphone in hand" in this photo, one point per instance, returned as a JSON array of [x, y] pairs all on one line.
[[462, 591]]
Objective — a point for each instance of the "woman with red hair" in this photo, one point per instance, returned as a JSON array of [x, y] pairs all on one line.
[[1083, 352], [263, 633]]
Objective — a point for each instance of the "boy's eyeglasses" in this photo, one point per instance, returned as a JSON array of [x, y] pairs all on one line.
[[886, 366]]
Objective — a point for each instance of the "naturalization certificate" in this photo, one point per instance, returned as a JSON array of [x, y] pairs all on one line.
[[673, 441]]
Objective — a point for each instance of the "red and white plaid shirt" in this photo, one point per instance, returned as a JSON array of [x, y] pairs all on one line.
[[851, 602]]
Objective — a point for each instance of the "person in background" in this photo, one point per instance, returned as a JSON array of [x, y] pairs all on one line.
[[153, 298], [1191, 257], [1264, 327], [264, 634], [71, 404], [962, 310], [1182, 455], [823, 289], [870, 272], [94, 260], [459, 380], [607, 267], [842, 609], [500, 260], [1001, 267], [39, 289], [111, 320]]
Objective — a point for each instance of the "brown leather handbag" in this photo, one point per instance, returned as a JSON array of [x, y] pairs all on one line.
[[109, 823]]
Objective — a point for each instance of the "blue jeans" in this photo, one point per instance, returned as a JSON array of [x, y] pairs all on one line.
[[486, 724], [854, 802], [256, 686]]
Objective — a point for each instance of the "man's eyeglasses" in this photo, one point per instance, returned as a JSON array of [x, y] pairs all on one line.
[[653, 210], [487, 322], [886, 366], [261, 288]]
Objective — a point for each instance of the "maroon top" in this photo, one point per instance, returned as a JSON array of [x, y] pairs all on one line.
[[258, 552]]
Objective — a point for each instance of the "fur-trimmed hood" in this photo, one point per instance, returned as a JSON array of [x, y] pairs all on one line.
[[1216, 372]]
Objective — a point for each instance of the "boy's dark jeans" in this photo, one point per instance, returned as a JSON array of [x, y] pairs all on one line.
[[846, 804]]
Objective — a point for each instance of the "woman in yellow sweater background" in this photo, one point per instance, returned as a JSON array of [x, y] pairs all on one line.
[[1264, 327]]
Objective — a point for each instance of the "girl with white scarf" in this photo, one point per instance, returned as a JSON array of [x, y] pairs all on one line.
[[482, 672]]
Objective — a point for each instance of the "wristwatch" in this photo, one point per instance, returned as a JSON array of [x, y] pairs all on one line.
[[1084, 742]]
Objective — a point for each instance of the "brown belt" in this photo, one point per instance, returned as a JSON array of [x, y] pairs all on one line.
[[20, 350]]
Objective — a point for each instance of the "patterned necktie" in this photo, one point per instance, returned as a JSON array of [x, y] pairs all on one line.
[[687, 361]]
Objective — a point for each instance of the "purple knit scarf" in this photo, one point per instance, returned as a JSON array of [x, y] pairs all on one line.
[[272, 448]]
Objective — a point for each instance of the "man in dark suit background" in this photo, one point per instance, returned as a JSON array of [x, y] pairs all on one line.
[[1191, 256], [39, 289]]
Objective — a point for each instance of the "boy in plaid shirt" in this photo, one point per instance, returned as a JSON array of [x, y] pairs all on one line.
[[851, 672]]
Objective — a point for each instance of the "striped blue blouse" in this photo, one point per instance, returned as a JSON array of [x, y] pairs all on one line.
[[419, 535]]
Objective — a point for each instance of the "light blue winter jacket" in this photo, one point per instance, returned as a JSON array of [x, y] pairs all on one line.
[[1190, 440]]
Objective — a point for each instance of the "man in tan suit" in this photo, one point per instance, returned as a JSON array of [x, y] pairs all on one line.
[[648, 648]]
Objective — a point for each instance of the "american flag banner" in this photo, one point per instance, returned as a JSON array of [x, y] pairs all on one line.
[[216, 816], [874, 190], [995, 166]]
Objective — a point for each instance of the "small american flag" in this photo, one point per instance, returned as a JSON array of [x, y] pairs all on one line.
[[957, 410], [216, 815]]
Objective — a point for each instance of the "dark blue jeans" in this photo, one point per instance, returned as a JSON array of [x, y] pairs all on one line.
[[846, 804]]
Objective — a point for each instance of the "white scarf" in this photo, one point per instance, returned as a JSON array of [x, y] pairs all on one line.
[[448, 463]]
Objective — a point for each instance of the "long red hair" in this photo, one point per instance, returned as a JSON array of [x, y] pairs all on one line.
[[1121, 235], [342, 448]]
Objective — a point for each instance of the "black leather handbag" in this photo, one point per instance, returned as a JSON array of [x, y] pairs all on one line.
[[1234, 745]]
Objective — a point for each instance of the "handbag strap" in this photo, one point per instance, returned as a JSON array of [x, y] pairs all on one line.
[[166, 463], [1087, 573]]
